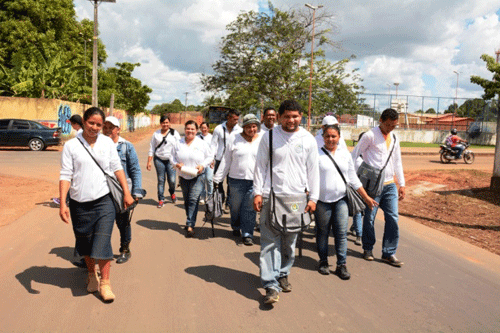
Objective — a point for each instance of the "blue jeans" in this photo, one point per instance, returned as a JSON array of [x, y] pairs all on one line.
[[208, 183], [123, 224], [332, 216], [388, 202], [459, 149], [241, 202], [357, 224], [191, 191], [277, 251], [163, 167]]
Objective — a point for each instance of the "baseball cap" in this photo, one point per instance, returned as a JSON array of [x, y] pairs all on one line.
[[113, 120], [329, 120]]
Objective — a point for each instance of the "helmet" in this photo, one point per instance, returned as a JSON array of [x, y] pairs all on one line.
[[454, 131]]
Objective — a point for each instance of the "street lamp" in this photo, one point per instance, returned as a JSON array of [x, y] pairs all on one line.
[[312, 62], [94, 56], [456, 100], [389, 86], [396, 84]]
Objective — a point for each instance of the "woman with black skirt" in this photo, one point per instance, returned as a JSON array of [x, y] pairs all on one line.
[[91, 207]]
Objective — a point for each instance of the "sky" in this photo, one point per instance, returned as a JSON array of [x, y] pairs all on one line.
[[416, 43]]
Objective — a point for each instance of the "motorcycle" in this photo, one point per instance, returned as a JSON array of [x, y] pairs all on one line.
[[447, 154]]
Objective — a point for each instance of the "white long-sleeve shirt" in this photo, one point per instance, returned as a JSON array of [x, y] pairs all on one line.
[[295, 164], [217, 143], [375, 152], [88, 183], [239, 159], [164, 151], [332, 186], [197, 153]]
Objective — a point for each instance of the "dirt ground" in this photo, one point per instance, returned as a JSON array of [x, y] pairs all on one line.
[[19, 193], [456, 202]]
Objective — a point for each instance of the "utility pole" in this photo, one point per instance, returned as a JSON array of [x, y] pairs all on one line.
[[186, 106]]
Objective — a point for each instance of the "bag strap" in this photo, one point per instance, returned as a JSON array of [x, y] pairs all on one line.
[[271, 156], [334, 163], [105, 174]]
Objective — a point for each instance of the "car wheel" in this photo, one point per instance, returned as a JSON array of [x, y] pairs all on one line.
[[36, 144]]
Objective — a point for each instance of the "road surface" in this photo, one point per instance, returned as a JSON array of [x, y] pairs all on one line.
[[211, 284]]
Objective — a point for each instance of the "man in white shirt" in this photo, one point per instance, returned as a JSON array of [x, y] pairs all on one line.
[[295, 170], [329, 120], [220, 138], [268, 119], [376, 146]]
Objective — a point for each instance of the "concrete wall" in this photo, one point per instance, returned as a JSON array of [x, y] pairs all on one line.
[[424, 136]]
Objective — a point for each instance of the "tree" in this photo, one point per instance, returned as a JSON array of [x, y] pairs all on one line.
[[419, 111], [473, 108], [264, 60], [431, 111], [492, 89]]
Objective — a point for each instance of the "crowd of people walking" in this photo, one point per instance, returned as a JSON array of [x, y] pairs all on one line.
[[262, 162]]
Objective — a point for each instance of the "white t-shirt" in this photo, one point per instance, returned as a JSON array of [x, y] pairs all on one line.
[[239, 158], [88, 183], [163, 152]]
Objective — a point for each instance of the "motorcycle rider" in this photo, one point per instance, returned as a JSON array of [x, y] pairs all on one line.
[[455, 142]]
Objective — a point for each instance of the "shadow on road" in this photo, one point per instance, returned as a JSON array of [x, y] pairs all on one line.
[[243, 283], [64, 252], [460, 225], [70, 278]]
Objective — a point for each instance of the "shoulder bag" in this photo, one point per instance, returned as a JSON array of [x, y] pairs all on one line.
[[355, 203], [287, 211], [373, 178], [115, 188]]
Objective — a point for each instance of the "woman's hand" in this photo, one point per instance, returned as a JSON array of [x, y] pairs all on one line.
[[370, 202], [64, 212], [128, 200], [200, 168], [257, 203], [179, 165], [148, 166]]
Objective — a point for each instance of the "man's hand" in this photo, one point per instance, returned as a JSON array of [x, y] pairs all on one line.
[[402, 193], [64, 212], [311, 207], [257, 203]]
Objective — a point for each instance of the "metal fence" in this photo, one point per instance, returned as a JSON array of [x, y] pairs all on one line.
[[483, 113]]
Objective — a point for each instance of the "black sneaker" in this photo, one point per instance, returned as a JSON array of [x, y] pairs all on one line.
[[284, 284], [247, 241], [324, 269], [368, 255], [236, 233], [80, 263], [272, 296], [342, 272], [124, 257], [392, 260]]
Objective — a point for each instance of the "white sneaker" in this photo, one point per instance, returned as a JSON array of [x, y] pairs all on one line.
[[202, 202]]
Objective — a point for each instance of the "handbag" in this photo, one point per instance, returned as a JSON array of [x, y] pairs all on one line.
[[355, 202], [287, 211], [373, 178], [115, 189]]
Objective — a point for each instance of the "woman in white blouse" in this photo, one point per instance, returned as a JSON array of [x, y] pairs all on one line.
[[160, 149], [91, 207], [191, 155], [208, 174], [331, 209], [239, 162]]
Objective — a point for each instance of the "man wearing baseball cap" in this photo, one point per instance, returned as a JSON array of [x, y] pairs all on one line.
[[329, 120], [130, 163]]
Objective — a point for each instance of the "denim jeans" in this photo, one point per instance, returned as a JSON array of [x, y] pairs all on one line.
[[241, 202], [163, 167], [459, 149], [388, 202], [357, 224], [208, 183], [123, 224], [332, 216], [191, 191], [277, 251]]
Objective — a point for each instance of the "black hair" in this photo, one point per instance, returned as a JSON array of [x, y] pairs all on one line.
[[93, 111], [76, 119], [232, 112], [164, 117], [289, 105], [268, 109], [334, 127], [191, 122], [204, 123], [389, 114]]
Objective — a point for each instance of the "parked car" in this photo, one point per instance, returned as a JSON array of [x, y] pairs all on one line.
[[22, 132]]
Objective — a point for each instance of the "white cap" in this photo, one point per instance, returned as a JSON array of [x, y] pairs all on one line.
[[113, 120], [328, 120]]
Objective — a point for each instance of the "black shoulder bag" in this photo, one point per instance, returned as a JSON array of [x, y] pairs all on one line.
[[355, 203], [287, 211]]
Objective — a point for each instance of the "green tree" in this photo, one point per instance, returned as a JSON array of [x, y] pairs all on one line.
[[473, 108], [431, 111], [419, 111], [264, 58]]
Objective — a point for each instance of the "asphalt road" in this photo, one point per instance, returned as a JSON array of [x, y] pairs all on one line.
[[211, 284]]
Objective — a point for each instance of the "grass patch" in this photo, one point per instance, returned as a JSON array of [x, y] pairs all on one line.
[[425, 145]]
